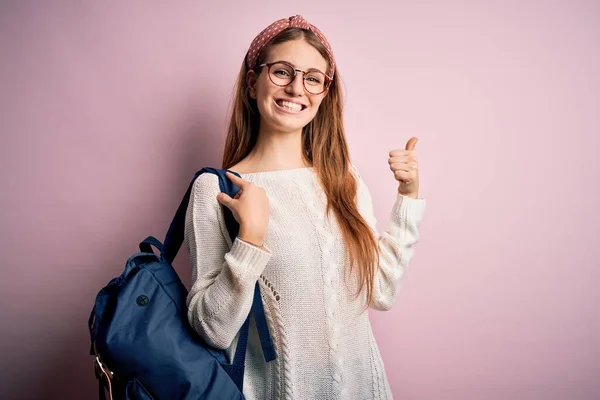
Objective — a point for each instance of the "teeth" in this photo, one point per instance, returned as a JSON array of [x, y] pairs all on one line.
[[291, 106]]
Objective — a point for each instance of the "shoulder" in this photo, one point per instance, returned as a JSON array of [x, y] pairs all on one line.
[[204, 192], [204, 215], [207, 181], [363, 195], [360, 183], [354, 171]]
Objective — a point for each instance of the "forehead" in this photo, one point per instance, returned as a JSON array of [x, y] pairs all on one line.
[[299, 53]]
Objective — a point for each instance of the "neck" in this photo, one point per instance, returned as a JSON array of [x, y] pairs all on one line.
[[277, 151]]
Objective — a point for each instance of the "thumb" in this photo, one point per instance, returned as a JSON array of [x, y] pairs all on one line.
[[224, 199], [235, 179], [410, 145]]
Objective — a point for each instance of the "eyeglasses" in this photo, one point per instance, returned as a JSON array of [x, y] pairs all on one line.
[[283, 73]]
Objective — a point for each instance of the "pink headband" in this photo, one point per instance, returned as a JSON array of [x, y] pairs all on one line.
[[279, 26]]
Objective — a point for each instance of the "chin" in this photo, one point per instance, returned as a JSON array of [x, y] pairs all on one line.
[[289, 128], [288, 123]]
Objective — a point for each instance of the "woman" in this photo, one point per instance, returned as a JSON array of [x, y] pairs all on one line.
[[307, 229]]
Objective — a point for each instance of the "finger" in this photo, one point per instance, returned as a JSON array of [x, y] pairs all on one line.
[[397, 159], [224, 199], [403, 158], [238, 194], [402, 167], [236, 179], [403, 176], [412, 142], [403, 153]]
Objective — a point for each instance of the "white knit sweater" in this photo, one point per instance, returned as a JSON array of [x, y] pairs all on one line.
[[324, 342]]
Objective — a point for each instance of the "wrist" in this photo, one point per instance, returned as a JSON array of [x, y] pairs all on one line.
[[258, 245], [254, 240], [411, 195]]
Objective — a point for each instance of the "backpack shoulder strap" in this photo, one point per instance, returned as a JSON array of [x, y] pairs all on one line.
[[174, 240], [175, 234]]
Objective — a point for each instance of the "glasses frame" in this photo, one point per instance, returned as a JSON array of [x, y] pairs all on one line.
[[296, 70]]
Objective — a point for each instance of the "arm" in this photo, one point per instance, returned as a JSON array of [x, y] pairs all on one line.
[[395, 245], [223, 277]]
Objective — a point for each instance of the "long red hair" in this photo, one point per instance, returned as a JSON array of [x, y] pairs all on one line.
[[324, 147]]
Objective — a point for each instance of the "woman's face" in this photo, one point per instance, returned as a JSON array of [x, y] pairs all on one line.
[[287, 109]]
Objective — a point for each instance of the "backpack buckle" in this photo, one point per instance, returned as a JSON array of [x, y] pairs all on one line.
[[102, 370]]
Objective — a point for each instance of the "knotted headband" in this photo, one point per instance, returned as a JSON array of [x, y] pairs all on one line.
[[279, 26]]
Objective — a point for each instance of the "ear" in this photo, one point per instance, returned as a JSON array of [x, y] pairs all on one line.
[[251, 79]]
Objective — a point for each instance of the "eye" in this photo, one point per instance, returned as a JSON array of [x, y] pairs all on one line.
[[315, 78], [282, 73]]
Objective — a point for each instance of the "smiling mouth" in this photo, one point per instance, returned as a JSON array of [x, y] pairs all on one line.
[[288, 105]]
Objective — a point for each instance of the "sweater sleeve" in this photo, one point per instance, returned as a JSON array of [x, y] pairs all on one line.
[[396, 245], [223, 273]]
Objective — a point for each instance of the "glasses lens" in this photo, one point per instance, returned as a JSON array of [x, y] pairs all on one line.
[[314, 82], [281, 74]]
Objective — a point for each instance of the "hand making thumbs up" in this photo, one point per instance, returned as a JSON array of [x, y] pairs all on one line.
[[405, 166]]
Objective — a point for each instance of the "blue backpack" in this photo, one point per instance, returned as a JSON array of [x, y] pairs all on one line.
[[143, 344]]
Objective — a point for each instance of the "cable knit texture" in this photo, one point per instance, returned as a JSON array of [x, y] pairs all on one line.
[[324, 342]]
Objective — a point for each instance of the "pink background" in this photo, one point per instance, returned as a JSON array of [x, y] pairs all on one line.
[[107, 108]]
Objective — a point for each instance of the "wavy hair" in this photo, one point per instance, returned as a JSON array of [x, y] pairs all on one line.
[[324, 147]]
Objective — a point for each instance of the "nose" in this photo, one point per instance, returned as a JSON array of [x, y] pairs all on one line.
[[296, 86]]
